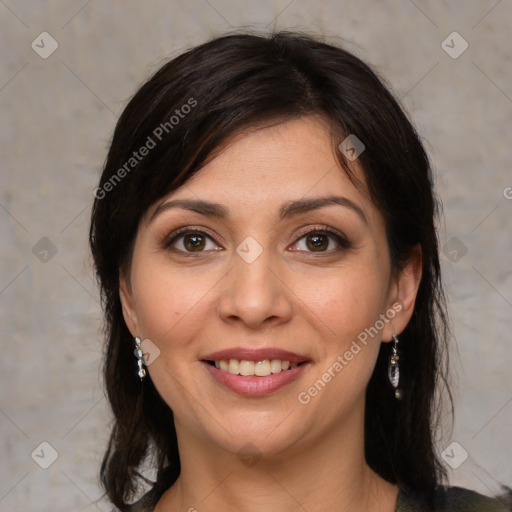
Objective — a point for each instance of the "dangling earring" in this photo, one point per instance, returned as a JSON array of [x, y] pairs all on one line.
[[140, 359], [393, 368]]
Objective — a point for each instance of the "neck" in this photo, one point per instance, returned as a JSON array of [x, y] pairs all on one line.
[[327, 476]]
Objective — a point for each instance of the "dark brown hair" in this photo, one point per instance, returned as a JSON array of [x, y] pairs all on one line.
[[188, 108]]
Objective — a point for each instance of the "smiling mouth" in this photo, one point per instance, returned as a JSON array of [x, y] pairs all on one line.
[[247, 368]]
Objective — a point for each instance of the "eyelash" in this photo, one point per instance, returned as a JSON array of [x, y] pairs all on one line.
[[340, 239]]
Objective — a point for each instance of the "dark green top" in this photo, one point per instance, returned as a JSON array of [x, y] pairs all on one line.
[[447, 499]]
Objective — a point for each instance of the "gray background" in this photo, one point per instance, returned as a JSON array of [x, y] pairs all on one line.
[[58, 114]]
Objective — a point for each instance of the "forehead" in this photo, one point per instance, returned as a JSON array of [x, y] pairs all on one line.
[[268, 165], [295, 152]]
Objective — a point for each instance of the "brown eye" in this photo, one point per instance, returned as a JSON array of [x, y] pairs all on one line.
[[317, 242], [321, 241], [194, 242], [190, 241]]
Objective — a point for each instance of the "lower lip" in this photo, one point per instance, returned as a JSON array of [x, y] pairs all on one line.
[[253, 385]]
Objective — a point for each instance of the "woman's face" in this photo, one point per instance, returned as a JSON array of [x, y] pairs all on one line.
[[267, 258]]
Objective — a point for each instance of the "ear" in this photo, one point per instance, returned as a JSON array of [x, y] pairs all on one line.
[[127, 303], [403, 293]]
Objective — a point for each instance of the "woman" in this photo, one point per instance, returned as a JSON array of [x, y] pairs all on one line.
[[263, 234]]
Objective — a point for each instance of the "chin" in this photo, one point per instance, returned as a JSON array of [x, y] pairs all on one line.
[[264, 435]]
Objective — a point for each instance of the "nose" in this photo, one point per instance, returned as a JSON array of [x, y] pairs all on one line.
[[254, 294]]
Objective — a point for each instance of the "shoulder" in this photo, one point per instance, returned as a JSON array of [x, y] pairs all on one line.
[[449, 499], [457, 498]]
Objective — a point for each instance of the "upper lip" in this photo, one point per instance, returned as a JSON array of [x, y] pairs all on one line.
[[255, 355]]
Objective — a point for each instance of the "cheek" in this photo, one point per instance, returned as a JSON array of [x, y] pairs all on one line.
[[171, 309], [348, 302], [168, 304], [346, 312]]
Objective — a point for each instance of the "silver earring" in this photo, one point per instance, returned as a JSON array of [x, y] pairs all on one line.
[[140, 359], [394, 369]]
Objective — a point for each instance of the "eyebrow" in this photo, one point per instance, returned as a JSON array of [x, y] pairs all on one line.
[[288, 210], [306, 205], [195, 205]]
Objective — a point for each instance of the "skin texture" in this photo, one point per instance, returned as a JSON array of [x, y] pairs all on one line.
[[292, 296]]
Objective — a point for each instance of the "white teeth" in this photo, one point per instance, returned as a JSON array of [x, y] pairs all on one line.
[[261, 368], [275, 365], [234, 366], [246, 367]]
